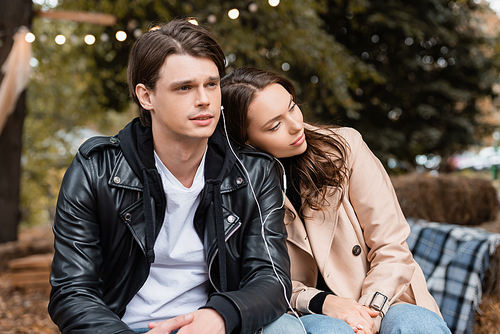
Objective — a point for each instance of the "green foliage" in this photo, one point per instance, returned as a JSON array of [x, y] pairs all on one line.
[[352, 61], [436, 64], [64, 94]]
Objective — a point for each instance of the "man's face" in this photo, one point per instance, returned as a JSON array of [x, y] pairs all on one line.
[[185, 105]]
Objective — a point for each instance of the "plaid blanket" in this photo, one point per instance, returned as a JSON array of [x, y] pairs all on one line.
[[454, 259]]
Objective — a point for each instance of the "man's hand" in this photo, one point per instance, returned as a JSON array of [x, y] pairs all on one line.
[[204, 321], [357, 316], [170, 325]]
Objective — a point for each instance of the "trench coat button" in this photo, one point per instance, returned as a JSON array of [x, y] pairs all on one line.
[[239, 180], [356, 250], [116, 179], [128, 216], [231, 219], [113, 140]]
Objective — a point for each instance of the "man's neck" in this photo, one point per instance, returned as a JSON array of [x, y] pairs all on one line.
[[182, 159]]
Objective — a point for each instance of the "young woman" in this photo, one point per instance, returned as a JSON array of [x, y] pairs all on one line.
[[352, 270]]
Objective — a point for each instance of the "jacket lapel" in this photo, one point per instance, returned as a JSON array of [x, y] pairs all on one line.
[[321, 228], [123, 176], [296, 231]]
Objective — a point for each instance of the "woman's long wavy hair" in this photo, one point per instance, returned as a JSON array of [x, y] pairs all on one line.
[[320, 170]]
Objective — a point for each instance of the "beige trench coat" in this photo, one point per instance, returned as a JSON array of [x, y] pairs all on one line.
[[369, 217]]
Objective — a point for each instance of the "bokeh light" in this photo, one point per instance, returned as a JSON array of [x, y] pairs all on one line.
[[233, 14], [60, 39], [30, 38], [121, 35], [89, 39]]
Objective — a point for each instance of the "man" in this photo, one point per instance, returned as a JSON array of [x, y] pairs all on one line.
[[160, 227]]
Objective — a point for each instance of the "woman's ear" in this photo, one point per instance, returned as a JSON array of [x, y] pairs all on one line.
[[144, 96]]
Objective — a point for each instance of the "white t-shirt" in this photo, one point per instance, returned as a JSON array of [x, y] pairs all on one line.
[[178, 280]]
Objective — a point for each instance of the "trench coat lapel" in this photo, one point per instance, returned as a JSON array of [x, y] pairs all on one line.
[[296, 231], [321, 226]]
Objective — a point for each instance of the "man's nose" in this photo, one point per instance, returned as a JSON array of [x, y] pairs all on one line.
[[203, 98]]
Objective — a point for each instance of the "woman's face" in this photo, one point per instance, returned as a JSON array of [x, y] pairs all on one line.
[[275, 123]]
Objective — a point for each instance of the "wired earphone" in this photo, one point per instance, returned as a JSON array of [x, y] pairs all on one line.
[[262, 220]]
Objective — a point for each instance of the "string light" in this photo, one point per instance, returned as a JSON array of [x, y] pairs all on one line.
[[233, 14], [121, 35], [274, 3], [30, 38], [89, 39], [60, 39]]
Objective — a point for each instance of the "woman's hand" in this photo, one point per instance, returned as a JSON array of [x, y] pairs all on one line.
[[357, 316]]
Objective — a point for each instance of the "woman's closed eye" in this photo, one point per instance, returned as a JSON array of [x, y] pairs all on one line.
[[275, 126]]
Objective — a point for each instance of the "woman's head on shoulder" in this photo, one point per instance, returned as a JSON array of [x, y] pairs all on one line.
[[261, 111]]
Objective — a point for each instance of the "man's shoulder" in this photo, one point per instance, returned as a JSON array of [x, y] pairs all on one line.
[[98, 143], [251, 154]]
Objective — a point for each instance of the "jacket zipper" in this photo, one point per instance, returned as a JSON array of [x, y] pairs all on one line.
[[215, 254]]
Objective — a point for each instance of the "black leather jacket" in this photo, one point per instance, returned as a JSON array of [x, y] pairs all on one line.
[[105, 232]]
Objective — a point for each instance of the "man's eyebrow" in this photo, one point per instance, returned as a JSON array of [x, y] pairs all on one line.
[[190, 81], [181, 83]]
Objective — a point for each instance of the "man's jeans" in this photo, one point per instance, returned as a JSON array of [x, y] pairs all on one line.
[[285, 324]]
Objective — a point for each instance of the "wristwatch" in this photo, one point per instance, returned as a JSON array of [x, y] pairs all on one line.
[[378, 302]]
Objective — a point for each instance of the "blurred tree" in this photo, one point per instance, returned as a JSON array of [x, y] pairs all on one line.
[[289, 38], [78, 84], [436, 63], [12, 15], [407, 75]]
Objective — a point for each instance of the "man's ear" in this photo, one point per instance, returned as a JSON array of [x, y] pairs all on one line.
[[144, 96]]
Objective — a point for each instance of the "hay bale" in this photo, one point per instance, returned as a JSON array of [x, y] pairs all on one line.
[[488, 319], [446, 198], [491, 284]]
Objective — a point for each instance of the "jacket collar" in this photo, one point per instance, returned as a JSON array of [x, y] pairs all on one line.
[[136, 143], [220, 159]]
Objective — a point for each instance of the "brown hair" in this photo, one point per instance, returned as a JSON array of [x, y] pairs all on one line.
[[323, 163], [152, 48]]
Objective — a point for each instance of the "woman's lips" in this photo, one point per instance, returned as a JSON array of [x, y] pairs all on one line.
[[299, 140]]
